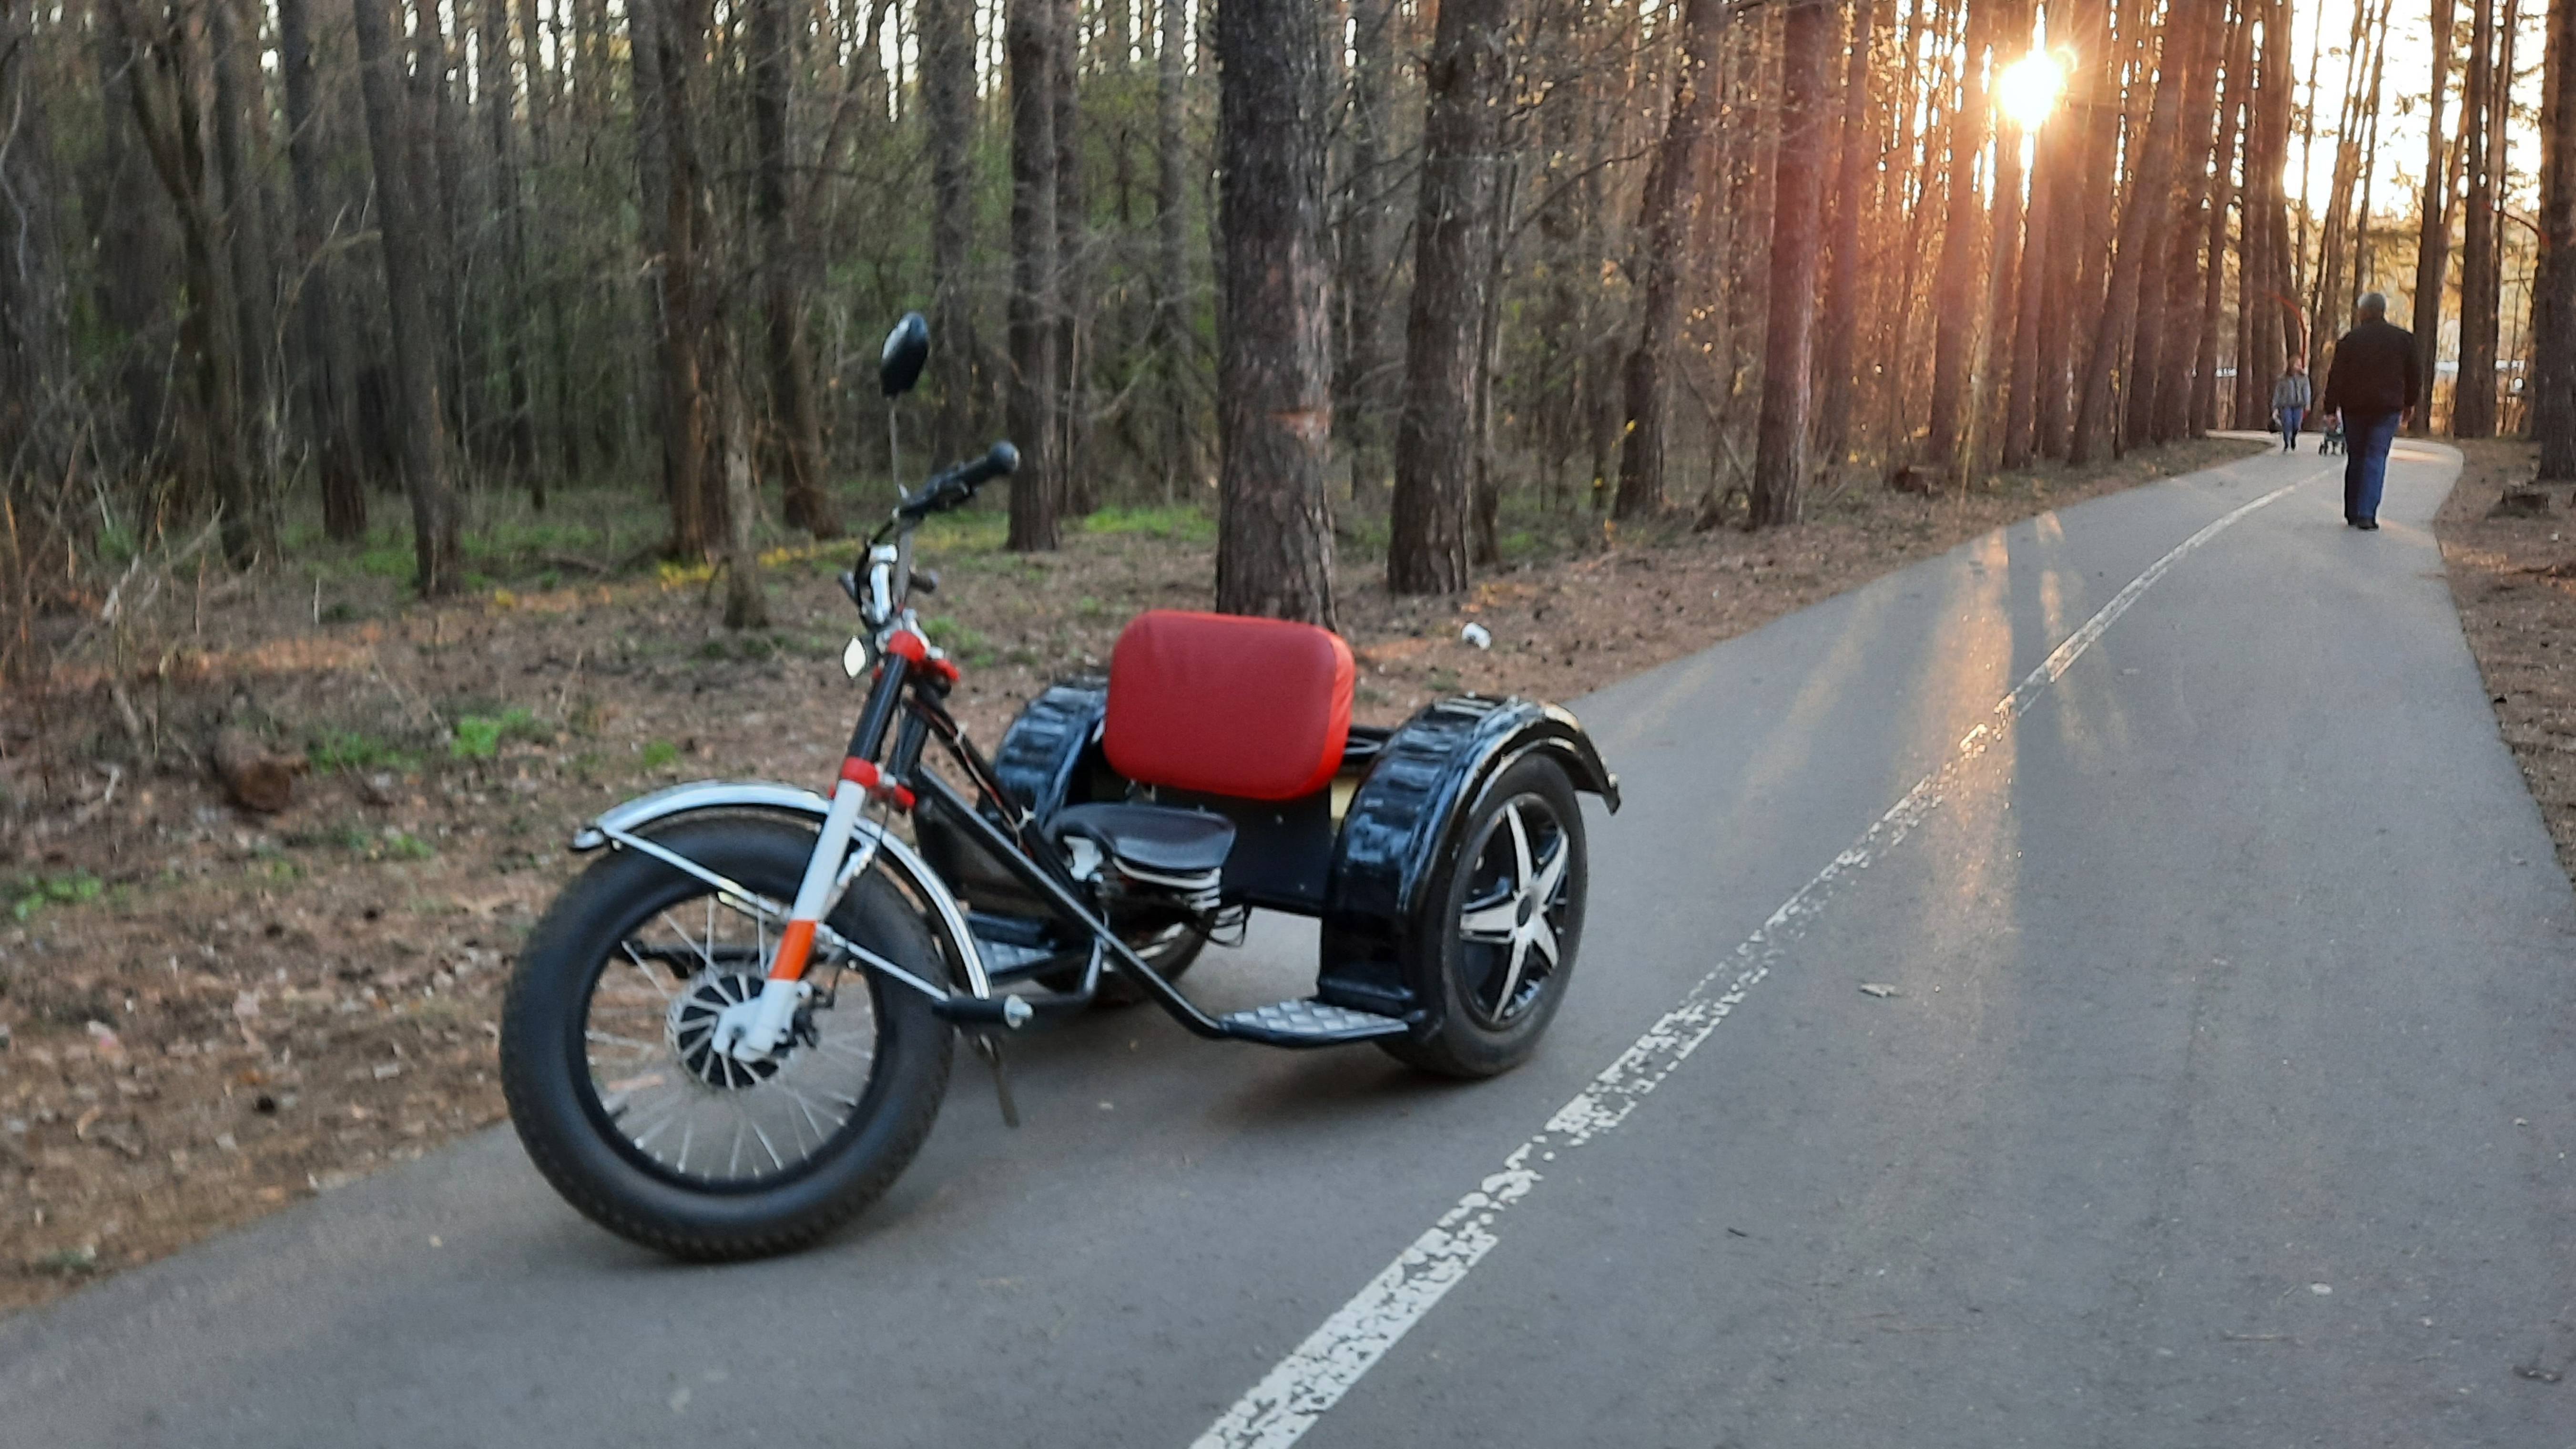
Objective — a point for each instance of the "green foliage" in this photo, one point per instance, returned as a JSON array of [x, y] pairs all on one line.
[[658, 753], [963, 641], [479, 737], [29, 894], [1183, 521], [353, 750]]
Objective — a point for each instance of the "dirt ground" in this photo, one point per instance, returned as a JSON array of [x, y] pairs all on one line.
[[2514, 579], [206, 1013]]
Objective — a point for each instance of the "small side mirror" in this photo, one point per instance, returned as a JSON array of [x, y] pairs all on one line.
[[907, 347]]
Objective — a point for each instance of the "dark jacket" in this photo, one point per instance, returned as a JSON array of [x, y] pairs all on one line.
[[2374, 371]]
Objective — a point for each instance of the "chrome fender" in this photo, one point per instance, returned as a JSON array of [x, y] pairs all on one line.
[[699, 797]]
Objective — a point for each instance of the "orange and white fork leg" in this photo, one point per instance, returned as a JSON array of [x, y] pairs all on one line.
[[758, 1027]]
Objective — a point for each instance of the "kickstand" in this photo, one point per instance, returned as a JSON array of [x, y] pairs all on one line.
[[990, 1049]]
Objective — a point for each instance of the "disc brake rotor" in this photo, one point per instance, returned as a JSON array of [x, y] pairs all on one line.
[[690, 1027]]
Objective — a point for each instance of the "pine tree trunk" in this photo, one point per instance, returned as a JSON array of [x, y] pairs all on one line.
[[1857, 162], [134, 258], [2553, 322], [239, 87], [1780, 456], [1987, 411], [1365, 367], [2433, 236], [1955, 293], [1037, 492], [2142, 223], [417, 415], [543, 97], [1274, 553], [674, 34], [329, 389], [499, 99], [791, 370], [1074, 464], [2224, 196], [2473, 400], [1666, 214], [169, 76], [1435, 448], [35, 357], [1172, 331], [947, 32], [2167, 388]]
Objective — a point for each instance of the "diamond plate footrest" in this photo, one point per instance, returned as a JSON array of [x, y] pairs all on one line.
[[1308, 1024]]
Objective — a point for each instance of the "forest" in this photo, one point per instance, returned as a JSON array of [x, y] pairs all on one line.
[[1354, 277]]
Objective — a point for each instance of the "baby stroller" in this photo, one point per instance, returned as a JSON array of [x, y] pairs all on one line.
[[2332, 441]]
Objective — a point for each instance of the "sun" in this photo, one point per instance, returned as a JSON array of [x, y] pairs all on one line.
[[2028, 89]]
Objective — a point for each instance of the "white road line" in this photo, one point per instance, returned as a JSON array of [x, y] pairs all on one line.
[[1278, 1411]]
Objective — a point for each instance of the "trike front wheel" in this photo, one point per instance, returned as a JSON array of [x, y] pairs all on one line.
[[1493, 950], [626, 1108]]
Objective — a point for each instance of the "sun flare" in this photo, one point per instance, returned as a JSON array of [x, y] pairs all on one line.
[[2029, 88]]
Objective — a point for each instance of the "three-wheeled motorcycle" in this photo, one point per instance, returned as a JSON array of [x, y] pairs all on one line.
[[734, 1029]]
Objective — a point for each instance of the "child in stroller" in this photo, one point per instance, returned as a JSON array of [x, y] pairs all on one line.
[[2332, 442]]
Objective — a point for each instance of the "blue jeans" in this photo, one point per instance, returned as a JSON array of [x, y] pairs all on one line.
[[2367, 436], [2290, 427]]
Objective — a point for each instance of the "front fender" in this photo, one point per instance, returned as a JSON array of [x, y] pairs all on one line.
[[1404, 818], [700, 797]]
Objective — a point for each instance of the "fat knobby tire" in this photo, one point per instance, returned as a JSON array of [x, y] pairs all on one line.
[[544, 1071]]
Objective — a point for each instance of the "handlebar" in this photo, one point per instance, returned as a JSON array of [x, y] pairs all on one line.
[[957, 486]]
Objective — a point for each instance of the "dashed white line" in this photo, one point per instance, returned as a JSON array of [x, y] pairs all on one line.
[[1278, 1411]]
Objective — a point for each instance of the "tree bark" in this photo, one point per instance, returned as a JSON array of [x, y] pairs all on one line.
[[134, 247], [1665, 218], [1172, 331], [1079, 489], [2142, 222], [947, 34], [2160, 392], [2553, 322], [499, 98], [419, 421], [1780, 456], [2224, 195], [1364, 361], [169, 76], [1858, 162], [238, 88], [35, 356], [673, 36], [2473, 399], [1954, 290], [1435, 446], [1275, 360], [329, 392], [1037, 493], [798, 423], [2433, 235]]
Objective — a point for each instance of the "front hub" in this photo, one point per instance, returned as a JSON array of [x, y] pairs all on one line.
[[691, 1029]]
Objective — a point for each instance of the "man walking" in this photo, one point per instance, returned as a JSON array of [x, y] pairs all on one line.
[[2290, 398], [2373, 385]]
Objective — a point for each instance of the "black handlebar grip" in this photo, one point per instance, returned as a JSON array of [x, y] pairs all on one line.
[[1001, 461]]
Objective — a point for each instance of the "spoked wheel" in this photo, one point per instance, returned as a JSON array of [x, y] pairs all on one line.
[[609, 1064], [1495, 946]]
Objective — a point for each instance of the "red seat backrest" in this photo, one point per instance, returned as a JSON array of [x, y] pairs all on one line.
[[1256, 709]]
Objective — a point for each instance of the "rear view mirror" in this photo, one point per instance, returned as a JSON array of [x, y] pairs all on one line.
[[907, 347]]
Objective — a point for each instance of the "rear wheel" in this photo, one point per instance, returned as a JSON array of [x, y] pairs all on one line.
[[624, 1106], [1494, 948]]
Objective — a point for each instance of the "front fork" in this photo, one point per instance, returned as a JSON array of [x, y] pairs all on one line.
[[755, 1029]]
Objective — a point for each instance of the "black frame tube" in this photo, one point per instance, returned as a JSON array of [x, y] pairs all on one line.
[[934, 791]]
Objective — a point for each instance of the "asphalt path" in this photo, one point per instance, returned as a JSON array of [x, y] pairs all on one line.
[[2224, 1099]]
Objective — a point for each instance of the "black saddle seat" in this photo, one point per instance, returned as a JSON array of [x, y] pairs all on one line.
[[1160, 839]]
